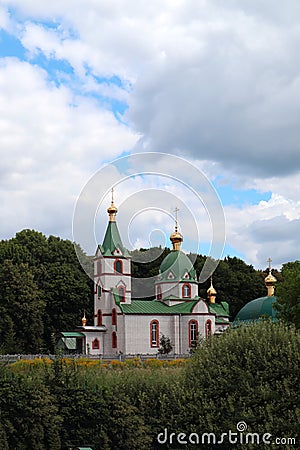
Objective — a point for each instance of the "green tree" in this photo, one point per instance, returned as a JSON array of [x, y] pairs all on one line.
[[288, 294], [165, 345], [58, 280], [22, 307], [250, 374], [29, 415], [67, 293]]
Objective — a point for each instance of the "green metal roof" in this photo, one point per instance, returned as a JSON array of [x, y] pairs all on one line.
[[220, 309], [157, 307], [71, 334], [83, 448], [220, 320], [257, 309], [179, 264], [112, 241]]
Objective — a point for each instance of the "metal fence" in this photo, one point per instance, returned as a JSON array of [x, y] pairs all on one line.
[[119, 357]]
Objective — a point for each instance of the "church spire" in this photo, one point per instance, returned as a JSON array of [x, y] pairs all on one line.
[[112, 240], [112, 209], [270, 280], [176, 238]]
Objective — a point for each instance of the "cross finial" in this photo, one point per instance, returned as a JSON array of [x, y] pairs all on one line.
[[112, 195], [269, 261], [176, 218]]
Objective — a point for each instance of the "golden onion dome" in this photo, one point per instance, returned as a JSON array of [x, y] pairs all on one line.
[[112, 209], [211, 290], [84, 320], [270, 279], [176, 238]]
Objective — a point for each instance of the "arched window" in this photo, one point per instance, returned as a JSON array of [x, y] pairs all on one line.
[[193, 333], [114, 316], [114, 340], [99, 317], [154, 333], [186, 290], [118, 266], [158, 293], [98, 267], [95, 344], [208, 328], [121, 292], [99, 290]]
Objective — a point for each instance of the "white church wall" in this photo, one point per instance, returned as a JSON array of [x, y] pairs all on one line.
[[138, 332]]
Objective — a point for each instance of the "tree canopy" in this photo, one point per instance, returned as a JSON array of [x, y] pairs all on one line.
[[43, 290], [288, 294]]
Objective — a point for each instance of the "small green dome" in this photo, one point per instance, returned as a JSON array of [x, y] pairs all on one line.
[[256, 309], [178, 264]]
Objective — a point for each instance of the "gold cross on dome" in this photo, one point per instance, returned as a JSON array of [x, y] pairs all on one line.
[[112, 194], [176, 218]]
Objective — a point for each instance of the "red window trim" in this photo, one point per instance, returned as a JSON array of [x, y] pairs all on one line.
[[114, 316], [189, 330], [94, 345], [114, 340], [99, 317], [122, 296], [156, 344], [190, 290], [115, 266]]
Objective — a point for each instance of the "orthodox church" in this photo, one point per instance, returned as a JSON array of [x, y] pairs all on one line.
[[123, 325]]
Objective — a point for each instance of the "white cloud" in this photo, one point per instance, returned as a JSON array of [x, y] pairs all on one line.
[[270, 228], [51, 141], [216, 81]]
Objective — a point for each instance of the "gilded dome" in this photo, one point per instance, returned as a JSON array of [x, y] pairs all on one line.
[[270, 279]]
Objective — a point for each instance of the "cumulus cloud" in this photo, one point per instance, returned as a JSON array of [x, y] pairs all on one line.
[[51, 141], [212, 80], [270, 228], [215, 81]]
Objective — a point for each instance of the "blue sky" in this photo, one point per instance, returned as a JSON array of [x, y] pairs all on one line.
[[216, 84]]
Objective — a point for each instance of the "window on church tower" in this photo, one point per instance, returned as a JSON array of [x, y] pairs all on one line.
[[98, 267], [121, 292], [154, 333], [193, 333], [114, 341], [95, 344], [114, 316], [159, 293], [118, 266], [208, 328], [99, 317], [99, 290], [186, 291]]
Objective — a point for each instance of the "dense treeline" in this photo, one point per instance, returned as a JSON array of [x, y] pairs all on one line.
[[44, 289], [250, 376]]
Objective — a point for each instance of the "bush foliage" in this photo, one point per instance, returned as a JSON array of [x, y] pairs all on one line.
[[248, 374]]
